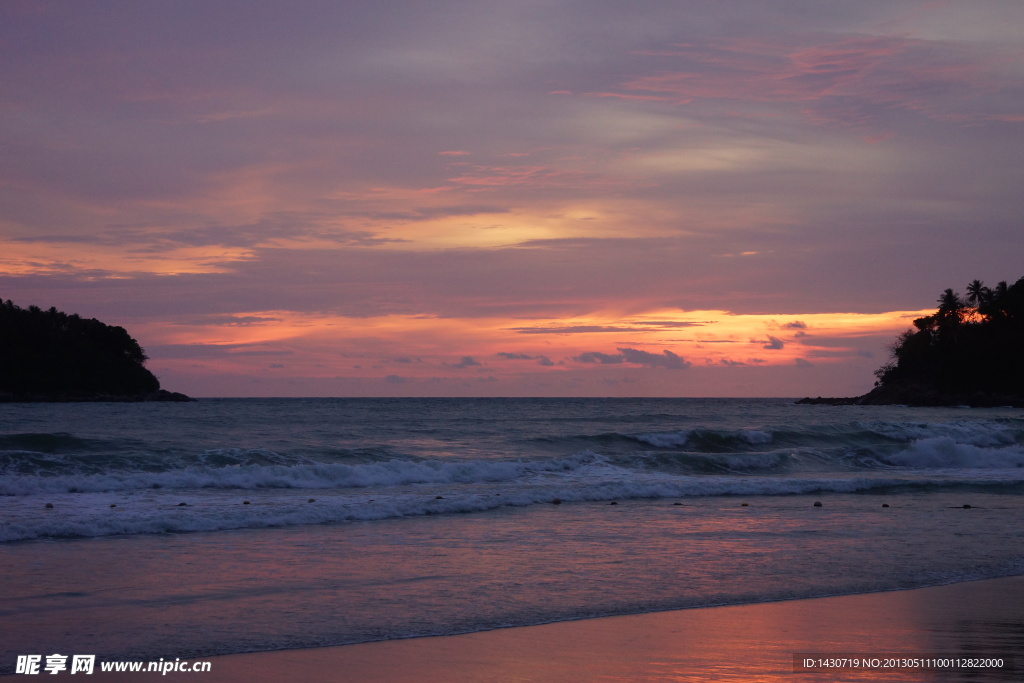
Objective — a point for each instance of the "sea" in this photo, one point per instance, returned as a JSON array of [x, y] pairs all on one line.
[[184, 530]]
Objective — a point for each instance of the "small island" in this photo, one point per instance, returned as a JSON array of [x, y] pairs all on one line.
[[53, 356], [970, 352]]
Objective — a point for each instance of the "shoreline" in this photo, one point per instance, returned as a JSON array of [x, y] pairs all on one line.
[[747, 642], [158, 396], [917, 395]]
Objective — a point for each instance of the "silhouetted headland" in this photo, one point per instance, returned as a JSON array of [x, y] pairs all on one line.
[[53, 356], [970, 352]]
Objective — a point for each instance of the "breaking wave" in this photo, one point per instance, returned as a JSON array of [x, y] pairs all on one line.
[[116, 484]]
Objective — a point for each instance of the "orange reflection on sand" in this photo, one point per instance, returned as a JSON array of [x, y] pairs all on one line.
[[755, 643]]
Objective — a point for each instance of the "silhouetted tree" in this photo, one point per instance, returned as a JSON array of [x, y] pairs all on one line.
[[957, 352], [53, 353], [978, 294], [951, 310]]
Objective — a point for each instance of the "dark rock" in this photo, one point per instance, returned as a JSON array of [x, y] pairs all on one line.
[[829, 401], [167, 396], [160, 395], [917, 394]]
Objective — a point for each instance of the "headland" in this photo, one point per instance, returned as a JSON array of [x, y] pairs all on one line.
[[968, 353], [53, 356]]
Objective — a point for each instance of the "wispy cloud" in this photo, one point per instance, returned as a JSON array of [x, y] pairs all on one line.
[[540, 359], [837, 79], [666, 359], [465, 362], [637, 326]]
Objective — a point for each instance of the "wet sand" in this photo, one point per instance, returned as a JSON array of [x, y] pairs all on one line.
[[761, 642]]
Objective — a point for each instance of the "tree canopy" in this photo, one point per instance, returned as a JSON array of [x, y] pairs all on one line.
[[52, 353], [971, 345]]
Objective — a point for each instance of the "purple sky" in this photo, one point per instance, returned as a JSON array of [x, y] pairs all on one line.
[[509, 198]]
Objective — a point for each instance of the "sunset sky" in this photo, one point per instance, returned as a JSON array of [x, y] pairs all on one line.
[[515, 198]]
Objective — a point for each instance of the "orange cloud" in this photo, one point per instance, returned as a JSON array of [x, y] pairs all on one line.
[[423, 347], [33, 258]]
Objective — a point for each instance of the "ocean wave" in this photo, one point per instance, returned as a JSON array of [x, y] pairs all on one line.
[[705, 439], [982, 433], [91, 514], [688, 462], [264, 469], [943, 452], [303, 476], [50, 442]]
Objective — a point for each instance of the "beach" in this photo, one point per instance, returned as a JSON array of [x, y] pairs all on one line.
[[974, 620], [563, 539]]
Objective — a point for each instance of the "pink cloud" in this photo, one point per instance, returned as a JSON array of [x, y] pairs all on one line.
[[622, 96], [844, 80], [493, 177]]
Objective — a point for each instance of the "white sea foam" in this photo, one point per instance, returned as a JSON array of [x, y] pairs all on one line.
[[678, 439], [756, 436], [943, 452], [158, 511], [306, 476], [666, 439], [984, 433]]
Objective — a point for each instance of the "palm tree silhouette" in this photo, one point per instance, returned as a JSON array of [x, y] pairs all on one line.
[[951, 309], [978, 294], [967, 352]]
